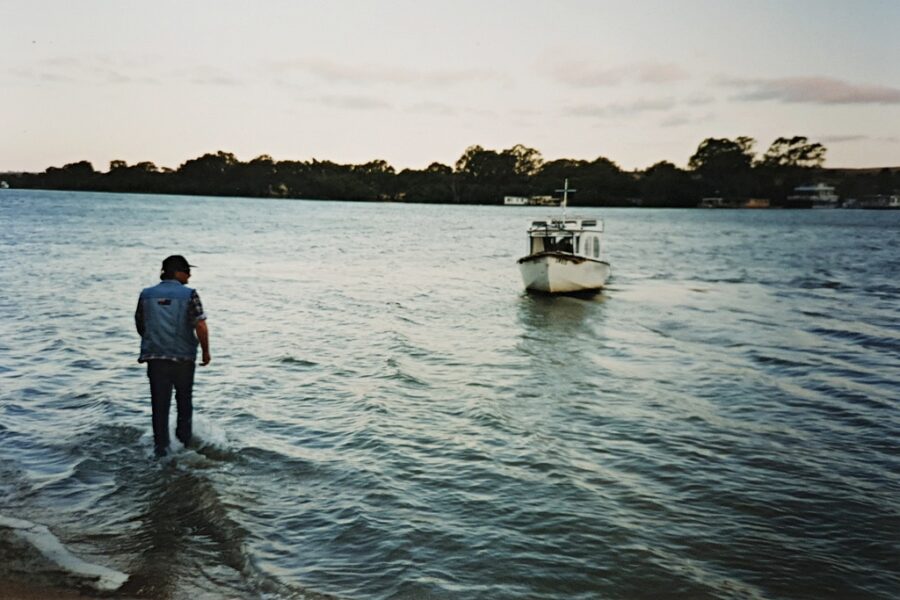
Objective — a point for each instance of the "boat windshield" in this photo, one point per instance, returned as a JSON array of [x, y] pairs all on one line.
[[553, 243]]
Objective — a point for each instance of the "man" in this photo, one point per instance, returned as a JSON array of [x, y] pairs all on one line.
[[170, 321]]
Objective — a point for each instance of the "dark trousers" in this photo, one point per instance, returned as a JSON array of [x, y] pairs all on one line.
[[164, 375]]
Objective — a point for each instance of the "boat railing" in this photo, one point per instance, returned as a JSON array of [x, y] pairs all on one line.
[[567, 225]]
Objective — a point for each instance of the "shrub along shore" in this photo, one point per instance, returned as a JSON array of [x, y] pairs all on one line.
[[721, 167]]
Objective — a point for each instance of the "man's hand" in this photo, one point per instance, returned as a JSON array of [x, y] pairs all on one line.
[[203, 337]]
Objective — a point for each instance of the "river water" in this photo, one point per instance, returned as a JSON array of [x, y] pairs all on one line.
[[388, 415]]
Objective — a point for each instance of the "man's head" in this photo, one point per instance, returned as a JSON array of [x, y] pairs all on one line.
[[176, 267]]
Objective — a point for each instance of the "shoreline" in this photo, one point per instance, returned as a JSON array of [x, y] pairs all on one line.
[[16, 589], [747, 206]]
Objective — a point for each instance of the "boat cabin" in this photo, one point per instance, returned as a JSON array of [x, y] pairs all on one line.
[[581, 237]]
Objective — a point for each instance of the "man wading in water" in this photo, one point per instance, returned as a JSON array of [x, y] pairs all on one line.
[[167, 317]]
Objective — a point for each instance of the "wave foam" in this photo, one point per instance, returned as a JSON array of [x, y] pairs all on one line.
[[102, 578]]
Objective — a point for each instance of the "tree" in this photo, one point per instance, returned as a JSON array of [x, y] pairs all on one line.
[[433, 184], [208, 165], [528, 161], [73, 176], [787, 163], [485, 176], [142, 177], [259, 178], [665, 185], [794, 152], [725, 166], [479, 163], [722, 154], [437, 168], [81, 168], [374, 167], [147, 167]]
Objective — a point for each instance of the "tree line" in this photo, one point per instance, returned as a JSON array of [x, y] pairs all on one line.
[[721, 167]]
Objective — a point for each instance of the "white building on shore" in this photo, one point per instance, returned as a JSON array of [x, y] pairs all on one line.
[[532, 201]]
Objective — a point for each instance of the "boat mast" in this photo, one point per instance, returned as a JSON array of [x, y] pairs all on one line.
[[565, 201]]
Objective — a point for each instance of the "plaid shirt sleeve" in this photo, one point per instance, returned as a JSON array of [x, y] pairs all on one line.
[[139, 318], [196, 308]]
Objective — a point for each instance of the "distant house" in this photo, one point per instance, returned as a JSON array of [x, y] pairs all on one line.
[[819, 195], [532, 201], [876, 202], [515, 200], [716, 202], [756, 203], [713, 202]]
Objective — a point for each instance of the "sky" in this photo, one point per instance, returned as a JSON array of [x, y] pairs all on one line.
[[414, 82]]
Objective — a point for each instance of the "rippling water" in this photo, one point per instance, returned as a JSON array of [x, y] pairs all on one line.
[[388, 415]]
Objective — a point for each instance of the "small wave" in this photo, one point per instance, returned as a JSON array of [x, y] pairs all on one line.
[[262, 458], [884, 290], [867, 340], [209, 433], [209, 442], [297, 362], [86, 363], [397, 373], [775, 361], [100, 577], [813, 283]]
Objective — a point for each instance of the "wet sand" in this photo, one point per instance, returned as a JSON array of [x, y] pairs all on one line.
[[11, 589]]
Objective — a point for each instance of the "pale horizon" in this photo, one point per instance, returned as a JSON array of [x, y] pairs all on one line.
[[412, 83]]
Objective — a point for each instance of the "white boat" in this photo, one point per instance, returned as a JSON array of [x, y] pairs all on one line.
[[878, 202], [565, 256], [813, 196]]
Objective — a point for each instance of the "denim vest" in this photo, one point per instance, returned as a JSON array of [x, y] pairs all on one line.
[[168, 330]]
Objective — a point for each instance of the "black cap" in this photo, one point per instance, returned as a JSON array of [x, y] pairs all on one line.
[[175, 263]]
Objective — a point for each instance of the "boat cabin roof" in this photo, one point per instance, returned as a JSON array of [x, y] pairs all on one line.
[[564, 227]]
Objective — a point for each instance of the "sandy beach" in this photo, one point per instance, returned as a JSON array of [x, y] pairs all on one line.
[[20, 590]]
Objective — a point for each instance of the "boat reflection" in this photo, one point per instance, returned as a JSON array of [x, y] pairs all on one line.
[[542, 314], [561, 329], [559, 339]]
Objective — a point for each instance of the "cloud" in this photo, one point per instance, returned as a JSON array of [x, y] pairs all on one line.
[[100, 71], [619, 109], [659, 73], [444, 109], [588, 74], [434, 108], [353, 102], [680, 119], [335, 72], [208, 75], [844, 138], [700, 100], [814, 90], [840, 139], [92, 71], [676, 120]]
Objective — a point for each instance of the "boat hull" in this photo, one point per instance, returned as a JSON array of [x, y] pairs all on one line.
[[563, 273]]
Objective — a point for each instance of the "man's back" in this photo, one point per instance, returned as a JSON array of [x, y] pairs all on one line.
[[167, 315]]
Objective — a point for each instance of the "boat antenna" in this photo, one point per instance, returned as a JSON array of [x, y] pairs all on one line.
[[565, 201]]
